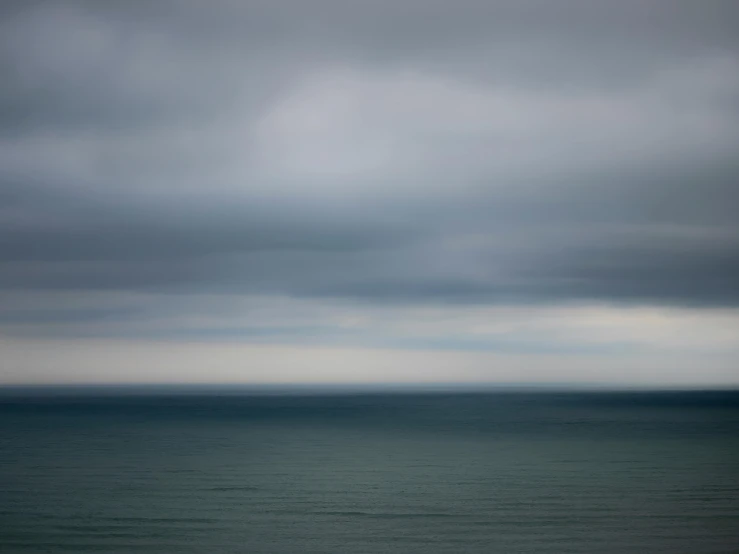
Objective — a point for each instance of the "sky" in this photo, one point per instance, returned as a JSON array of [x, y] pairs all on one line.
[[351, 191]]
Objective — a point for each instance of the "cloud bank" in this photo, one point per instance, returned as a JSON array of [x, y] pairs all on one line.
[[352, 173]]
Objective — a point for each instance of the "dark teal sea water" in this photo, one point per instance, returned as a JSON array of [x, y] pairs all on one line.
[[383, 473]]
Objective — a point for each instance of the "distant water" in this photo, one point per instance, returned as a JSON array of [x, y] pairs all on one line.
[[505, 473]]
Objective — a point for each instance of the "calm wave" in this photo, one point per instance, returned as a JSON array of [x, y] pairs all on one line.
[[393, 473]]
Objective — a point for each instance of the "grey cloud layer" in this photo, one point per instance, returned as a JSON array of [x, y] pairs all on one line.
[[486, 152]]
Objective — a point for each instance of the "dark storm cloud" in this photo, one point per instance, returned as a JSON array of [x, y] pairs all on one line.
[[539, 151]]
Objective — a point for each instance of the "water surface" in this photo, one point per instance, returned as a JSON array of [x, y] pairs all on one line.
[[369, 473]]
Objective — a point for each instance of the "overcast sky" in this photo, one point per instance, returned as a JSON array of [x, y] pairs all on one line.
[[369, 191]]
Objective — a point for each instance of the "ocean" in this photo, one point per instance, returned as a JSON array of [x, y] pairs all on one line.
[[203, 471]]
